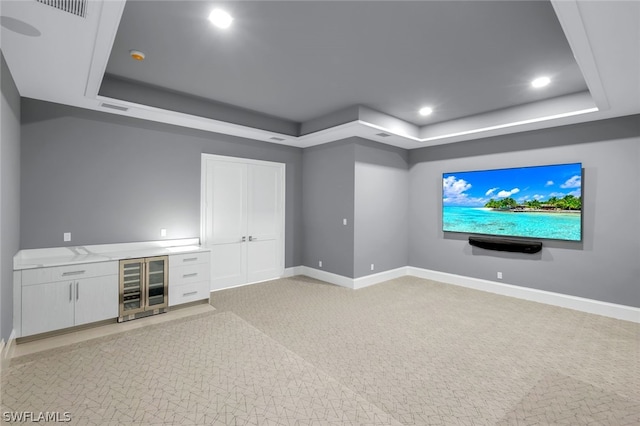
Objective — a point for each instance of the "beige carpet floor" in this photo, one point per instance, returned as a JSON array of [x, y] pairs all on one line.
[[298, 351]]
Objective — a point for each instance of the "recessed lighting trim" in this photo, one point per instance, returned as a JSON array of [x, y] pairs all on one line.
[[220, 18], [541, 82], [424, 111], [137, 55]]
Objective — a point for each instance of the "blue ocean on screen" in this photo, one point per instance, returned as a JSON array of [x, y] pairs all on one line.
[[563, 226], [534, 202]]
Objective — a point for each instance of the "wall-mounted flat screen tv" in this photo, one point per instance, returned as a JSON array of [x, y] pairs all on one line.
[[543, 202]]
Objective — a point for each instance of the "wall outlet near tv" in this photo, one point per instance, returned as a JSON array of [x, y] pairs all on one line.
[[320, 264], [499, 275], [66, 236]]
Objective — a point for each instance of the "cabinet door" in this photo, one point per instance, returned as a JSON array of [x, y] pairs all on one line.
[[47, 307], [96, 299], [156, 279], [132, 290]]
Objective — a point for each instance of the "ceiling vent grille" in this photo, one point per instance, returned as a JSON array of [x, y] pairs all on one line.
[[275, 138], [383, 135], [75, 7], [116, 107]]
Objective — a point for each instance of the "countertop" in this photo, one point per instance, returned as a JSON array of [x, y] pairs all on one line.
[[61, 256]]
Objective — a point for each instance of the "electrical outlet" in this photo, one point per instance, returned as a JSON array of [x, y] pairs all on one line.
[[320, 264], [67, 236], [499, 275], [344, 222], [163, 232], [372, 266]]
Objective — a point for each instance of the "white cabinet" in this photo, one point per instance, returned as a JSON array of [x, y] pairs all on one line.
[[189, 277], [242, 219], [96, 299], [65, 296], [47, 307]]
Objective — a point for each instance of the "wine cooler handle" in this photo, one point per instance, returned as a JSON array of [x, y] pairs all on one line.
[[77, 290], [70, 292]]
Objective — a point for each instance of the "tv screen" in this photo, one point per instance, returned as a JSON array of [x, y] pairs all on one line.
[[534, 202]]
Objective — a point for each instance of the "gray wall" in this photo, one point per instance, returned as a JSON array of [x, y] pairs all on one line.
[[328, 194], [112, 179], [605, 266], [9, 194], [381, 224]]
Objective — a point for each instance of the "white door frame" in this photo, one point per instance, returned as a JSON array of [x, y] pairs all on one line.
[[203, 195]]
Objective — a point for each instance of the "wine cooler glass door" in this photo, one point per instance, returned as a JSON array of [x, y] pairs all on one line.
[[132, 289], [157, 282]]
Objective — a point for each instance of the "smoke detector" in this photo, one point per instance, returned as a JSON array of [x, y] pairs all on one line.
[[137, 55]]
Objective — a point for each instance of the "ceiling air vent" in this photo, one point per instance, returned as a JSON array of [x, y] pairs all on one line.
[[383, 135], [275, 138], [116, 107], [75, 7]]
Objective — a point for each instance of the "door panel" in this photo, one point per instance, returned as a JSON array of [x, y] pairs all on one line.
[[228, 265], [227, 204], [263, 260], [263, 206]]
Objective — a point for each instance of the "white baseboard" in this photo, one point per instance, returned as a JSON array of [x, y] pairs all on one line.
[[379, 277], [329, 277], [612, 310], [291, 272], [352, 283], [6, 351]]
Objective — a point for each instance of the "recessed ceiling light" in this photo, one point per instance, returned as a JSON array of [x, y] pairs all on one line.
[[220, 18], [540, 82], [424, 111], [137, 55]]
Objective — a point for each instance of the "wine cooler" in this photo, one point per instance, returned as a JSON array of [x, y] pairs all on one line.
[[143, 287]]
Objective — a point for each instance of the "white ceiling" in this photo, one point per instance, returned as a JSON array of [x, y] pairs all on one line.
[[67, 61]]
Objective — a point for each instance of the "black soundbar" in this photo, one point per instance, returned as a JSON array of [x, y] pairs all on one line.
[[506, 244]]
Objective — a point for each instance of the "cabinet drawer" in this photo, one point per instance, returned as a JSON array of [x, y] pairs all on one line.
[[189, 258], [188, 293], [68, 272], [179, 275]]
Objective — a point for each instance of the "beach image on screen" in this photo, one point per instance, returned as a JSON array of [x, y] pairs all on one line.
[[534, 202]]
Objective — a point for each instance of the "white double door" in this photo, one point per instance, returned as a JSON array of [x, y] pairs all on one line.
[[242, 219]]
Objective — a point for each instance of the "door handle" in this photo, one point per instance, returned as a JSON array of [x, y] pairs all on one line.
[[252, 238], [244, 239], [77, 290], [70, 292]]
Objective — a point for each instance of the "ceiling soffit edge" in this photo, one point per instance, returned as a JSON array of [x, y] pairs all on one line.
[[344, 123]]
